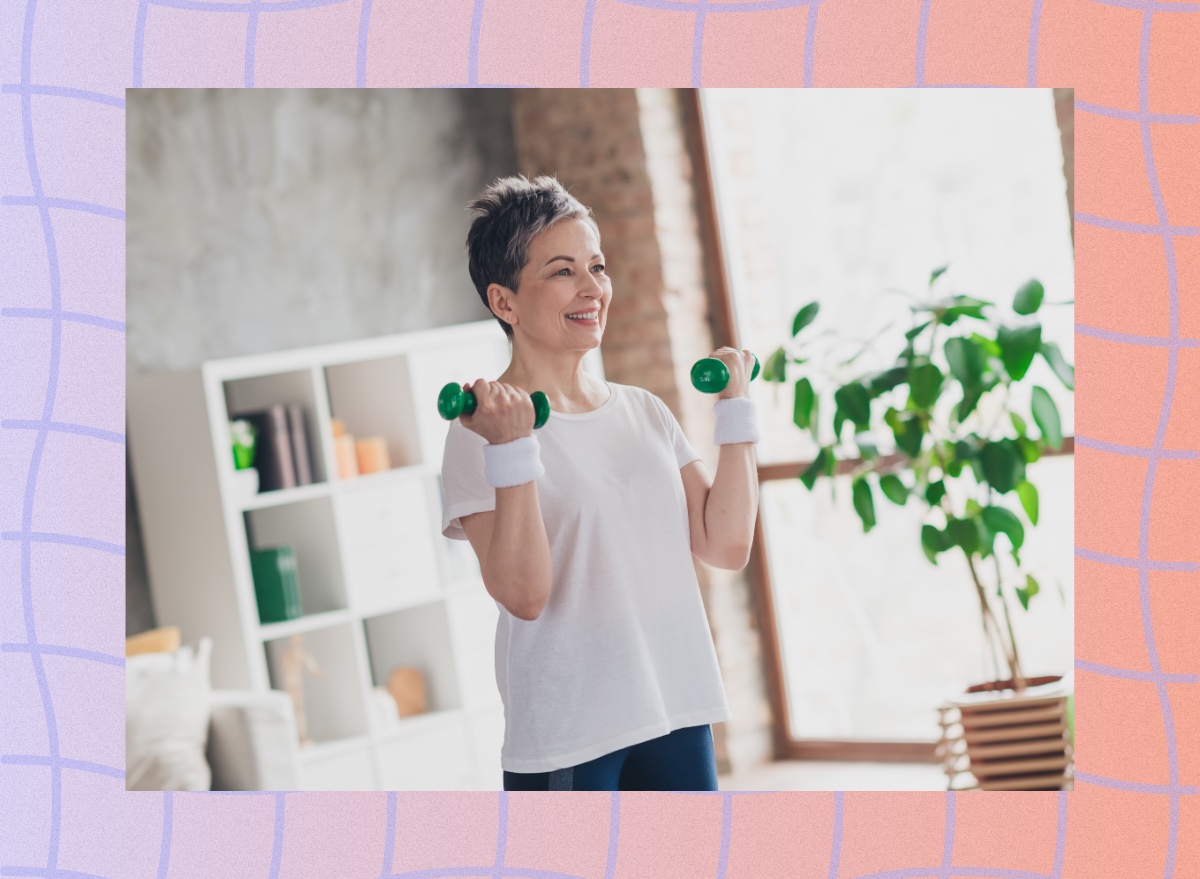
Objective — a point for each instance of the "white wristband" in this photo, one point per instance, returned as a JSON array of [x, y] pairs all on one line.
[[737, 421], [513, 463]]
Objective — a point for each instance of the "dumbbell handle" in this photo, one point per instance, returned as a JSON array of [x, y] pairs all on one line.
[[454, 401], [711, 376]]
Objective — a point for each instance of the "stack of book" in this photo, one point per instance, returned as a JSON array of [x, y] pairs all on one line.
[[1015, 741], [281, 454]]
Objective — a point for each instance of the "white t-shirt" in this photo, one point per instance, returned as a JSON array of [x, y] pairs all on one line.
[[621, 652]]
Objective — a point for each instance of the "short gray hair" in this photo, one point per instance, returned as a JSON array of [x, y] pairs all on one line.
[[506, 217]]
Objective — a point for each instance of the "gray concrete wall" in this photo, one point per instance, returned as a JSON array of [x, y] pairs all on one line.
[[265, 220]]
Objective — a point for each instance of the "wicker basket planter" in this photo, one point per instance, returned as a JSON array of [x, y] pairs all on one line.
[[994, 738]]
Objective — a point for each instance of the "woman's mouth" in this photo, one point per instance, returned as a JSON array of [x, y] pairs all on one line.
[[585, 317]]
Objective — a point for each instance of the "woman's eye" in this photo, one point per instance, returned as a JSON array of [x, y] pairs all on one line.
[[600, 266]]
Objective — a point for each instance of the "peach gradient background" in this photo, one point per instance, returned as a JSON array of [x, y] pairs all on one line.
[[64, 66]]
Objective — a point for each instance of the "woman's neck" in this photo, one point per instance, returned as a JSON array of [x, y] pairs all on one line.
[[561, 378]]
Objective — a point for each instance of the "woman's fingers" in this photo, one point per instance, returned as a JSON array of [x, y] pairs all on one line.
[[502, 412], [740, 363]]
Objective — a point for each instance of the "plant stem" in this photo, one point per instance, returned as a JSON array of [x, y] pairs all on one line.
[[1018, 675], [996, 636]]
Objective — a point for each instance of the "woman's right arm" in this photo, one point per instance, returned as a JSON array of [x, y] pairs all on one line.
[[513, 550], [510, 541]]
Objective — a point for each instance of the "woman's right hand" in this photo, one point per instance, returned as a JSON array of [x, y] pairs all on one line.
[[502, 413]]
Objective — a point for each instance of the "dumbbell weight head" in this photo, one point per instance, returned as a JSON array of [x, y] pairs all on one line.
[[711, 376], [453, 401], [541, 409]]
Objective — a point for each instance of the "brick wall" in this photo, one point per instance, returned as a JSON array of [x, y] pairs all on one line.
[[1064, 112], [623, 153]]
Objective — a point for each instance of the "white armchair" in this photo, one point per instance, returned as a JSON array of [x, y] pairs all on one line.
[[252, 741]]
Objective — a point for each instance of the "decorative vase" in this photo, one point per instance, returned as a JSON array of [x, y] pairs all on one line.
[[246, 482]]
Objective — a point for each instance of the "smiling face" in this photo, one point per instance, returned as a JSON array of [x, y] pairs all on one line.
[[563, 276]]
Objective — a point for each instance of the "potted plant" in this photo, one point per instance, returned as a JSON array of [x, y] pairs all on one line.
[[953, 408]]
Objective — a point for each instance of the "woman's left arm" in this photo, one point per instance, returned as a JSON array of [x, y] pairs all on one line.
[[721, 513]]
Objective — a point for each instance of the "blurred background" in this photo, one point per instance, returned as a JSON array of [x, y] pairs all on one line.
[[271, 221]]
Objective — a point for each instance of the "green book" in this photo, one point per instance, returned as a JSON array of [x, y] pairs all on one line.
[[275, 584]]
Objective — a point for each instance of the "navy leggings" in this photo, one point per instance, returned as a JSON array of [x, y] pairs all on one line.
[[680, 760]]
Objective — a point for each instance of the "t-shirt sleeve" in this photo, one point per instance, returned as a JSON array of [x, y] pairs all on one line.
[[684, 453], [464, 488]]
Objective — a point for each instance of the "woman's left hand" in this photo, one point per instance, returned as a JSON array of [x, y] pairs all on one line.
[[740, 363]]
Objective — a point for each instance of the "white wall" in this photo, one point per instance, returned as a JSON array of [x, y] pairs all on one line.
[[269, 219]]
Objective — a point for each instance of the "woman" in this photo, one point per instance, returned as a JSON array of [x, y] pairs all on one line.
[[585, 529]]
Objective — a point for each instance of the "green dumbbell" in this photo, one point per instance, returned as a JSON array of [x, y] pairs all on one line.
[[710, 375], [453, 401]]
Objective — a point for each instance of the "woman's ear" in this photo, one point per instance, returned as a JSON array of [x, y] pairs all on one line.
[[500, 299]]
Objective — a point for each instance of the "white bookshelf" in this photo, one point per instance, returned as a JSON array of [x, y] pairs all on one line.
[[380, 586]]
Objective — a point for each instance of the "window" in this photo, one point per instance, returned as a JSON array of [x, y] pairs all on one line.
[[852, 198]]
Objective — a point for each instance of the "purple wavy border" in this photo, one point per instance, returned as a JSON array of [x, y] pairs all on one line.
[[44, 427]]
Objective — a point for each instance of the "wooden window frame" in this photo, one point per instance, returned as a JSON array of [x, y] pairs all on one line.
[[724, 329]]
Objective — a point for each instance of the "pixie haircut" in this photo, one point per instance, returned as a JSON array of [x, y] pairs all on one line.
[[505, 219]]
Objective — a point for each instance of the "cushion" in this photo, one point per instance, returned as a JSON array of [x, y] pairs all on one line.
[[167, 706], [164, 640]]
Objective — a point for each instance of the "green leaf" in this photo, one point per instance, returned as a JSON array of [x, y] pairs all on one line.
[[1030, 589], [924, 384], [909, 434], [893, 488], [935, 492], [1019, 424], [818, 467], [1058, 363], [967, 404], [937, 273], [987, 537], [854, 401], [839, 419], [1018, 345], [775, 369], [864, 502], [1029, 449], [964, 533], [1029, 298], [887, 380], [1045, 413], [805, 316], [955, 468], [932, 542], [977, 469], [966, 449], [989, 346], [805, 398], [966, 361], [950, 315], [1002, 521], [1028, 494], [868, 451], [1003, 465], [952, 308], [917, 330]]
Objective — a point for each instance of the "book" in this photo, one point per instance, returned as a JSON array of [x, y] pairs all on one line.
[[299, 438], [276, 584], [273, 451]]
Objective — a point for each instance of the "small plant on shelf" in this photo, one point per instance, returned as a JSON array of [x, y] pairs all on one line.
[[954, 407]]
